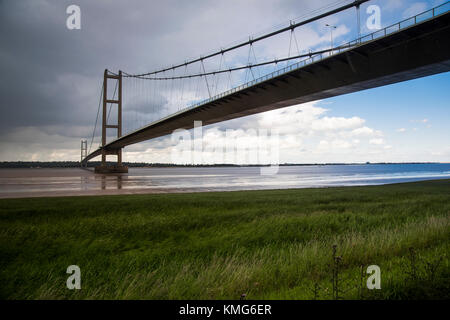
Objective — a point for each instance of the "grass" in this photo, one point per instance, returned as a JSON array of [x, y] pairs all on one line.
[[267, 244]]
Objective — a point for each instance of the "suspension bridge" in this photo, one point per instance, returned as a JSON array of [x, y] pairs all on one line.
[[213, 88]]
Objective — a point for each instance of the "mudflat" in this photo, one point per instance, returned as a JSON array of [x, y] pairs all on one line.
[[55, 182]]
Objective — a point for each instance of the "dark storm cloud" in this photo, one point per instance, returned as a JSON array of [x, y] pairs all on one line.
[[51, 76]]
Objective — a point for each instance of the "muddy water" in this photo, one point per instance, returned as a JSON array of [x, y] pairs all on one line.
[[73, 181]]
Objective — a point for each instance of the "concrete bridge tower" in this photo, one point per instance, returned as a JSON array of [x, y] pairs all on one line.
[[104, 167]]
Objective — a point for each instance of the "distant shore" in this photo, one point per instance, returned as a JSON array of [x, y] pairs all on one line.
[[75, 164]]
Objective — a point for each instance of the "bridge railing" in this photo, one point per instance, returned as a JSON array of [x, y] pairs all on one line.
[[404, 24]]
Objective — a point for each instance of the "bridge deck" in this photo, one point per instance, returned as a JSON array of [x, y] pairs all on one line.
[[385, 57]]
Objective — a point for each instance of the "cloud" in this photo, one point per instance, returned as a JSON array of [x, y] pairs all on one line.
[[377, 141], [306, 118], [420, 121], [401, 130], [51, 77], [305, 133], [443, 152], [414, 9], [326, 146], [365, 132]]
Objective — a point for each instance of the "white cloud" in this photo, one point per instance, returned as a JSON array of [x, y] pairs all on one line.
[[365, 132], [415, 9], [326, 146], [444, 152], [401, 130], [420, 121], [307, 133], [306, 118], [377, 141]]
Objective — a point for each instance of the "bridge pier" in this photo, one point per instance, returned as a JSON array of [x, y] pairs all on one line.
[[111, 169], [105, 167]]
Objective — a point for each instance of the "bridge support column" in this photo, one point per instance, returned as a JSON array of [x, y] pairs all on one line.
[[83, 152], [104, 167]]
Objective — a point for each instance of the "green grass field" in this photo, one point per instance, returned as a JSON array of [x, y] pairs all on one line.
[[267, 244]]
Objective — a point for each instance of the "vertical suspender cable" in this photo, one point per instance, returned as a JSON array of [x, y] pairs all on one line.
[[96, 119], [206, 79]]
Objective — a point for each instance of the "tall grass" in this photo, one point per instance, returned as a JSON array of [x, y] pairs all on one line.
[[264, 244]]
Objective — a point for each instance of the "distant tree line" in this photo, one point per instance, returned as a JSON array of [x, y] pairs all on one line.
[[76, 164]]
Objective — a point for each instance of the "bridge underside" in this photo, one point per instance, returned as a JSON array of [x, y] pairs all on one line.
[[419, 51]]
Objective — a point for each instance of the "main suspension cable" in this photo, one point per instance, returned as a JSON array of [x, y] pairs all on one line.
[[251, 41], [249, 66], [96, 119]]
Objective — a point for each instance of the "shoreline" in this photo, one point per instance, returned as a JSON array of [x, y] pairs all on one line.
[[77, 182], [10, 165], [168, 191]]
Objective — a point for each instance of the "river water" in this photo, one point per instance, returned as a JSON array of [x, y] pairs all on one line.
[[60, 182]]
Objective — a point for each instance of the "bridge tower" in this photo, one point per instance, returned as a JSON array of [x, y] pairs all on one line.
[[84, 151], [104, 167]]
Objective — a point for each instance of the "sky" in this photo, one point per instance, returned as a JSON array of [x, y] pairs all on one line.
[[51, 78]]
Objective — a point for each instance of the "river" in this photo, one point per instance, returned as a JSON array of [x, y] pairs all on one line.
[[73, 181]]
